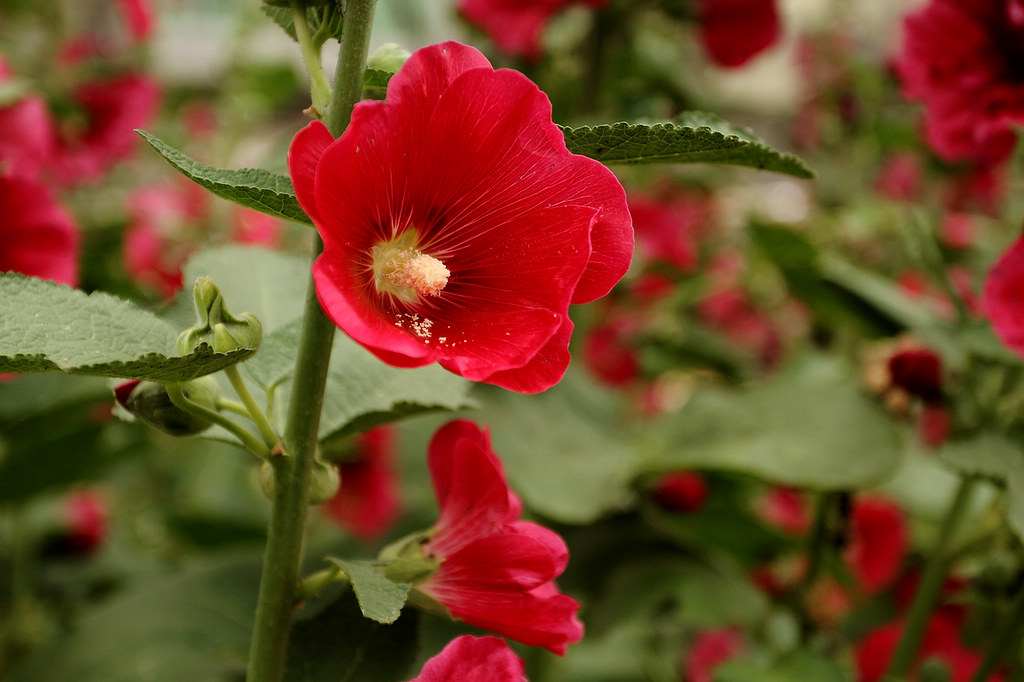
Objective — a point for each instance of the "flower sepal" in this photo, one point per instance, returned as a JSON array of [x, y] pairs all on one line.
[[217, 327], [149, 401], [324, 481]]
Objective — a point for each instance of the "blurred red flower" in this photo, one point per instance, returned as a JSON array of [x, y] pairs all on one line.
[[962, 59], [39, 237], [1002, 295], [733, 32], [457, 227], [879, 540], [473, 659], [367, 502], [496, 572], [516, 26], [708, 650], [683, 491]]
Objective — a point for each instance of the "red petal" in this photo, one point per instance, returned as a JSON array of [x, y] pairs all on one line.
[[1003, 297], [303, 156], [473, 659]]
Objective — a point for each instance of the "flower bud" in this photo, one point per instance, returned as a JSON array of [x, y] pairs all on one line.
[[218, 328], [388, 57], [148, 401], [324, 481]]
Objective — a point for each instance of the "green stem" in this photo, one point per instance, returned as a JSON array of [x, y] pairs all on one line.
[[181, 401], [320, 89], [292, 470], [253, 409], [1009, 634], [931, 585], [319, 580], [232, 406]]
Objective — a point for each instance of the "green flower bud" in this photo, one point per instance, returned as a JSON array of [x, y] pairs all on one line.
[[388, 57], [324, 481], [218, 328], [148, 401]]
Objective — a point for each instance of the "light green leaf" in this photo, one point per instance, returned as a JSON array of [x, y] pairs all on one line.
[[47, 327], [812, 426], [565, 450], [993, 456], [380, 599], [695, 137], [253, 188]]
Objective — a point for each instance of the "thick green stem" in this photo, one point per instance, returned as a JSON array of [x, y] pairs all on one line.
[[253, 410], [181, 401], [1004, 642], [283, 555], [931, 585]]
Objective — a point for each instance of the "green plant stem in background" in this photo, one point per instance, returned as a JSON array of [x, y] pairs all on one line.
[[283, 555], [253, 409], [320, 89], [1008, 636], [931, 585], [181, 401]]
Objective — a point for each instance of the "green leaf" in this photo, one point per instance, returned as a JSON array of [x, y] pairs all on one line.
[[363, 392], [380, 599], [565, 450], [812, 426], [695, 137], [193, 625], [254, 188], [996, 457], [48, 327], [376, 78], [340, 645]]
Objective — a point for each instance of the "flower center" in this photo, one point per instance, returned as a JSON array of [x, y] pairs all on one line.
[[401, 270]]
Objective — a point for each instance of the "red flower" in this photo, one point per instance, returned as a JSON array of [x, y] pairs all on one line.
[[879, 539], [26, 137], [112, 109], [683, 491], [785, 508], [457, 227], [366, 504], [1003, 297], [473, 659], [39, 237], [496, 572], [941, 640], [900, 177], [665, 229], [709, 650], [734, 31], [962, 59], [918, 371], [85, 516], [610, 353], [516, 26]]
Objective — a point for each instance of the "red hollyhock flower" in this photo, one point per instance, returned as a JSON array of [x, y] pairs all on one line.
[[457, 227], [683, 491], [900, 177], [709, 650], [39, 237], [516, 26], [785, 508], [879, 539], [665, 230], [918, 371], [610, 353], [962, 59], [85, 517], [473, 659], [366, 504], [1003, 296], [496, 572], [733, 32], [26, 137]]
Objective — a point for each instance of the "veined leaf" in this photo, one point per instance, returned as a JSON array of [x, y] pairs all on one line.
[[380, 599], [49, 327], [254, 188], [694, 137]]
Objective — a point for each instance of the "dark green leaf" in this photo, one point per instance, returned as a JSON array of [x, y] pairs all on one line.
[[380, 599], [193, 625], [253, 188], [47, 327], [376, 78], [694, 138], [812, 426], [339, 645]]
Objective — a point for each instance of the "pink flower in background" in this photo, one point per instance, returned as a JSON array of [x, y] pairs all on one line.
[[900, 177], [38, 237], [85, 518], [879, 541], [137, 17], [496, 572], [785, 508], [666, 229], [610, 353], [110, 112], [473, 659], [457, 227], [710, 649], [367, 503], [733, 32], [1003, 297], [961, 59], [732, 313], [27, 137], [516, 26]]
